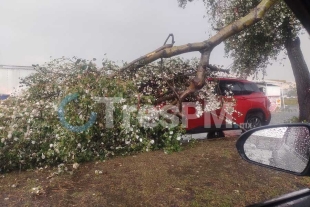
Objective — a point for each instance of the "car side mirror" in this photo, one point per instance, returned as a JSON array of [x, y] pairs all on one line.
[[283, 147]]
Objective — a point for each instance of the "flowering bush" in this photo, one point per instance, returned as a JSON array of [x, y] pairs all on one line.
[[31, 134], [44, 125]]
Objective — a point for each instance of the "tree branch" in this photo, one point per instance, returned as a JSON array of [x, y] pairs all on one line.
[[169, 50], [216, 69], [205, 48]]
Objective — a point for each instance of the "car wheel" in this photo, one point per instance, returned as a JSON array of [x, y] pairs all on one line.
[[253, 120], [216, 134]]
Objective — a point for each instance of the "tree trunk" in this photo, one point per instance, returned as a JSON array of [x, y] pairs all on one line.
[[302, 77]]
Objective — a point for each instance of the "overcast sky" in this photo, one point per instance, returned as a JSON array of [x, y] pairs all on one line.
[[31, 31]]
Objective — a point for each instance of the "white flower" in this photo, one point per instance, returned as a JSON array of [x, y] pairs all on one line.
[[178, 138], [43, 156], [171, 132], [152, 141], [14, 126], [2, 140], [51, 145], [55, 107], [140, 139], [9, 136], [75, 165], [79, 145], [33, 142]]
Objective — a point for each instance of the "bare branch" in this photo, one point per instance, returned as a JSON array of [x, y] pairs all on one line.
[[165, 98], [217, 28], [173, 89], [216, 69], [169, 50], [138, 63], [172, 39]]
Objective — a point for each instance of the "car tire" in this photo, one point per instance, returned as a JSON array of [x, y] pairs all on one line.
[[253, 120], [215, 134]]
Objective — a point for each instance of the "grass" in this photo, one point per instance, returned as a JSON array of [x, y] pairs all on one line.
[[207, 173], [290, 101]]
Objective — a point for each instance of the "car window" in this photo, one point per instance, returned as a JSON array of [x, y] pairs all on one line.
[[230, 88], [254, 87], [250, 87]]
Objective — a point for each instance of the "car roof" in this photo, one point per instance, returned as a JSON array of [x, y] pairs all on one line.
[[230, 79]]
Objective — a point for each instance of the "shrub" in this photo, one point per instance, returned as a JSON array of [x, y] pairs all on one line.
[[32, 134], [59, 117]]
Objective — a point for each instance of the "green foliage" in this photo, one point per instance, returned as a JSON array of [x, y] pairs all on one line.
[[295, 119], [254, 48], [32, 136], [291, 91]]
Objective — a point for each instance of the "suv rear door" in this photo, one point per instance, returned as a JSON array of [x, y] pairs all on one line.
[[232, 92], [254, 97]]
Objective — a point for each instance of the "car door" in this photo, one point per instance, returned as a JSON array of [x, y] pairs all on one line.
[[253, 98], [206, 121], [232, 99]]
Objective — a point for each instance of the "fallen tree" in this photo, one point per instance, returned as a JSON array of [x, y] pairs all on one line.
[[56, 119], [205, 48]]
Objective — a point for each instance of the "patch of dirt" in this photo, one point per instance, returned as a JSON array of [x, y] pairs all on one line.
[[208, 173]]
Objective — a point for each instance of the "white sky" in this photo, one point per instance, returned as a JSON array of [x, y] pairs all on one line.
[[31, 31]]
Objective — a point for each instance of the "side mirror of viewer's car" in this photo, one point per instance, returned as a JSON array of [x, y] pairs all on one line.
[[280, 147]]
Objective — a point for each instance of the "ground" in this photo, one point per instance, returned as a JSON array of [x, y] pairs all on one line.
[[204, 173]]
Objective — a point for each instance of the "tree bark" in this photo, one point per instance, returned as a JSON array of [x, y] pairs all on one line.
[[302, 77]]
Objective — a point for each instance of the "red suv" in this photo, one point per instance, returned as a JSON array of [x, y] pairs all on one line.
[[251, 109]]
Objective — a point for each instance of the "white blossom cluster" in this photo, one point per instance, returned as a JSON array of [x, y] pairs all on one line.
[[31, 134]]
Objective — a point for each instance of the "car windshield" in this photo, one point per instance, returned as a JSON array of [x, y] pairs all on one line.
[[140, 103]]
